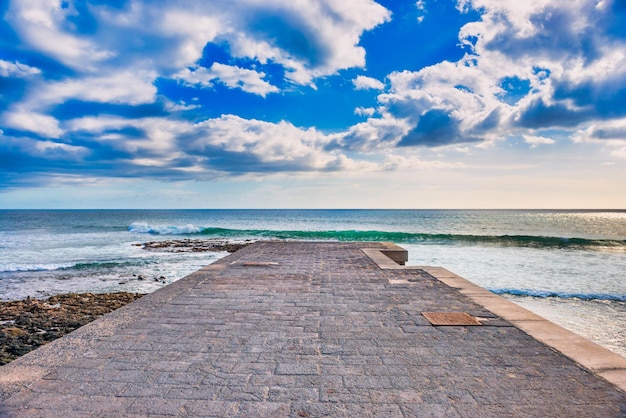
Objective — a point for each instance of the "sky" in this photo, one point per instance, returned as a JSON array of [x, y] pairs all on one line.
[[313, 104]]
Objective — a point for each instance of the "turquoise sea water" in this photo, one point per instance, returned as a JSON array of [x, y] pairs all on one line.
[[568, 266]]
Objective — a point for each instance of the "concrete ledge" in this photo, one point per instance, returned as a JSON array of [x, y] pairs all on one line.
[[591, 356], [389, 258], [398, 254], [381, 259]]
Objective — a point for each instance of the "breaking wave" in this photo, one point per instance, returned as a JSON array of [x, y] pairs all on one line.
[[15, 268], [561, 295], [142, 227], [397, 237], [19, 268]]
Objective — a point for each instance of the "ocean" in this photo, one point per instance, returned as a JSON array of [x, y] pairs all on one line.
[[568, 266]]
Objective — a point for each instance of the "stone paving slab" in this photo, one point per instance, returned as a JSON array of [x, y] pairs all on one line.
[[302, 329]]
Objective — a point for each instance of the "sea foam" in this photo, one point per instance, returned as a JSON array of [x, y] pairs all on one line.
[[561, 295], [14, 268], [145, 228]]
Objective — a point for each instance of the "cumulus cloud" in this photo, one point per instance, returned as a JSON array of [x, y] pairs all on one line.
[[535, 140], [37, 157], [127, 87], [364, 111], [124, 87], [44, 125], [228, 144], [116, 53], [610, 131], [611, 134], [530, 65], [172, 149], [309, 38], [234, 77], [16, 69], [362, 82], [42, 24], [574, 62], [373, 135], [234, 144], [444, 104], [312, 38]]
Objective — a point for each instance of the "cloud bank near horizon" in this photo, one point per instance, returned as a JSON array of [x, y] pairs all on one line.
[[178, 90]]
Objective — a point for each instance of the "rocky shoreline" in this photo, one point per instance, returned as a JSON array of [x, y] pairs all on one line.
[[30, 323]]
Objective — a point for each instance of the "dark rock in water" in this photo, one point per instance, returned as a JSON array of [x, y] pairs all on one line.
[[30, 323], [194, 245], [140, 277]]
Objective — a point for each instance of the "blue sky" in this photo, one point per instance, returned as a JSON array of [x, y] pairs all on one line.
[[313, 103]]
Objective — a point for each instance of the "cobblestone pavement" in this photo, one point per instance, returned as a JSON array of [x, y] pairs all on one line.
[[304, 330]]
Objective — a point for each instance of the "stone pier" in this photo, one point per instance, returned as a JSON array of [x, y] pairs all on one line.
[[310, 329]]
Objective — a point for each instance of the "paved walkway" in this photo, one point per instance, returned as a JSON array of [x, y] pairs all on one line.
[[302, 330]]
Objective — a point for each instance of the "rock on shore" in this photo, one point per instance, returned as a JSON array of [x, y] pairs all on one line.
[[194, 245], [30, 323]]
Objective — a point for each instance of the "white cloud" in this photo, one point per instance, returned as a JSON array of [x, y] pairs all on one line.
[[374, 134], [421, 7], [534, 140], [568, 41], [127, 49], [228, 144], [46, 149], [98, 123], [196, 76], [179, 107], [401, 162], [309, 38], [463, 95], [193, 30], [41, 24], [234, 77], [280, 145], [362, 82], [611, 134], [16, 69], [122, 87], [364, 111], [605, 132], [38, 123], [49, 148], [556, 50], [156, 137], [533, 65]]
